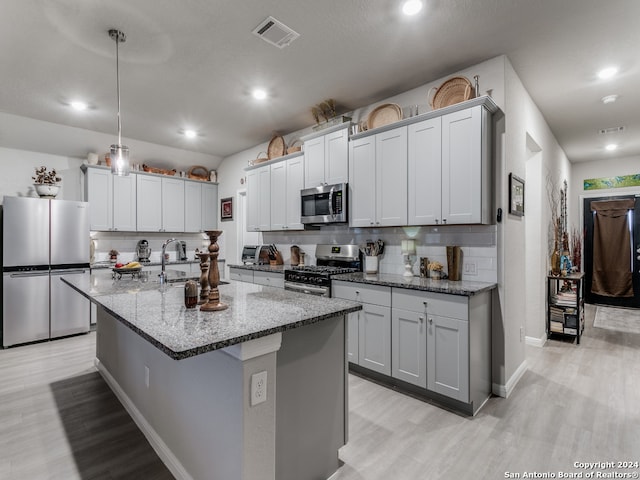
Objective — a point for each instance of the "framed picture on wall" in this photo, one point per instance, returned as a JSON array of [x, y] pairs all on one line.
[[226, 208], [516, 195]]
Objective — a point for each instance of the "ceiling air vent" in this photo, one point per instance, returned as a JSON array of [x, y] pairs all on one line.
[[604, 131], [275, 32]]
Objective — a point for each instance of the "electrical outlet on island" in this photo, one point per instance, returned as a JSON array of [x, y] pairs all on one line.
[[258, 388]]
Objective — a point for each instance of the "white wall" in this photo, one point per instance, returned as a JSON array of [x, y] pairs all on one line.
[[598, 169], [522, 119], [26, 143], [18, 166]]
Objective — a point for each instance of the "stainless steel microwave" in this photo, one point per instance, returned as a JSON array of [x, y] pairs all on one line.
[[324, 204]]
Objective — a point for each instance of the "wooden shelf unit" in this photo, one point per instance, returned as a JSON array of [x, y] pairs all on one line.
[[565, 305]]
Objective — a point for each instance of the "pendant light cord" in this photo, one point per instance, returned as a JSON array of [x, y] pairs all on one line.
[[118, 89]]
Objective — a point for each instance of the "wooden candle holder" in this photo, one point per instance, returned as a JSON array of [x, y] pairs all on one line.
[[213, 304]]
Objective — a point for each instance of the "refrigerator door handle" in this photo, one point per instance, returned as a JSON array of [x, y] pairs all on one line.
[[42, 273], [69, 272]]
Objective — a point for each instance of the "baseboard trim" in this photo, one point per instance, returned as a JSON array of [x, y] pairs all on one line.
[[536, 342], [506, 389], [161, 448]]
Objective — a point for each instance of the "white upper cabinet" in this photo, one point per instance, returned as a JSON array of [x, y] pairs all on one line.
[[314, 162], [336, 152], [391, 181], [287, 179], [465, 172], [295, 183], [278, 196], [149, 211], [209, 202], [172, 204], [449, 162], [259, 199], [326, 158], [425, 167], [112, 200], [193, 207], [378, 179], [362, 182], [149, 203], [99, 194], [160, 204], [124, 203]]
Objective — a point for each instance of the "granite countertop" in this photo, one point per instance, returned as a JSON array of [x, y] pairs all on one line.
[[157, 313], [463, 287], [262, 268]]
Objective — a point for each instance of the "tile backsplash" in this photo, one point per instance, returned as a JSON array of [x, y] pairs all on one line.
[[125, 244], [478, 244]]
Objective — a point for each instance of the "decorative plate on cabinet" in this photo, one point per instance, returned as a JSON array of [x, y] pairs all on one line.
[[454, 90], [384, 115], [276, 148]]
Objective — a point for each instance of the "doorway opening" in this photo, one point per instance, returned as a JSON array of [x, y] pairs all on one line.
[[612, 250], [535, 245]]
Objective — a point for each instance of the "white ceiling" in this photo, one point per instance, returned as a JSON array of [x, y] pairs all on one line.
[[192, 63]]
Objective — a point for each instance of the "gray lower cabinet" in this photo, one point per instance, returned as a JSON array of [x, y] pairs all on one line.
[[448, 357], [438, 342], [241, 275], [409, 346], [268, 279], [259, 277], [369, 330], [374, 338]]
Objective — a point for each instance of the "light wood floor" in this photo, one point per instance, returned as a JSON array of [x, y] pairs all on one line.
[[574, 404], [59, 420]]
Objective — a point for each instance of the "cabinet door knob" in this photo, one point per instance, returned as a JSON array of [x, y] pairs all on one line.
[[444, 220], [421, 319], [437, 221], [431, 321]]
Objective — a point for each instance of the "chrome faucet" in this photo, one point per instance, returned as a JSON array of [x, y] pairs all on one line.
[[163, 274]]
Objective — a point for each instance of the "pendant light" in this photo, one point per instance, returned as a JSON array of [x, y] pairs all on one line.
[[119, 153]]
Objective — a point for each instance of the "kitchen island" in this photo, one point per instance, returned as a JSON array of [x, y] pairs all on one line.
[[188, 378]]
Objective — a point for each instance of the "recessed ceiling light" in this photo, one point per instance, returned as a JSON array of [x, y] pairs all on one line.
[[190, 133], [609, 99], [77, 105], [607, 72], [411, 7], [611, 147], [259, 94]]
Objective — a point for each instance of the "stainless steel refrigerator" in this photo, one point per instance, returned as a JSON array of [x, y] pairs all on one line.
[[43, 240]]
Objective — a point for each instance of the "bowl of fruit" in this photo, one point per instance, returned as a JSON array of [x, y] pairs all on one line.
[[132, 268]]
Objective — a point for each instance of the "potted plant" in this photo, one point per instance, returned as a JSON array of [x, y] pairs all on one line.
[[113, 255], [47, 184], [435, 269]]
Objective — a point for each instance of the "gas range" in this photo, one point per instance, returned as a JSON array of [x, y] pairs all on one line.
[[316, 279]]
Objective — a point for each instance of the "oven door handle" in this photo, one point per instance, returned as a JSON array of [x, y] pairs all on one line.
[[305, 288]]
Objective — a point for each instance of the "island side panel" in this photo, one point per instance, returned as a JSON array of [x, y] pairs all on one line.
[[196, 408], [311, 407]]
